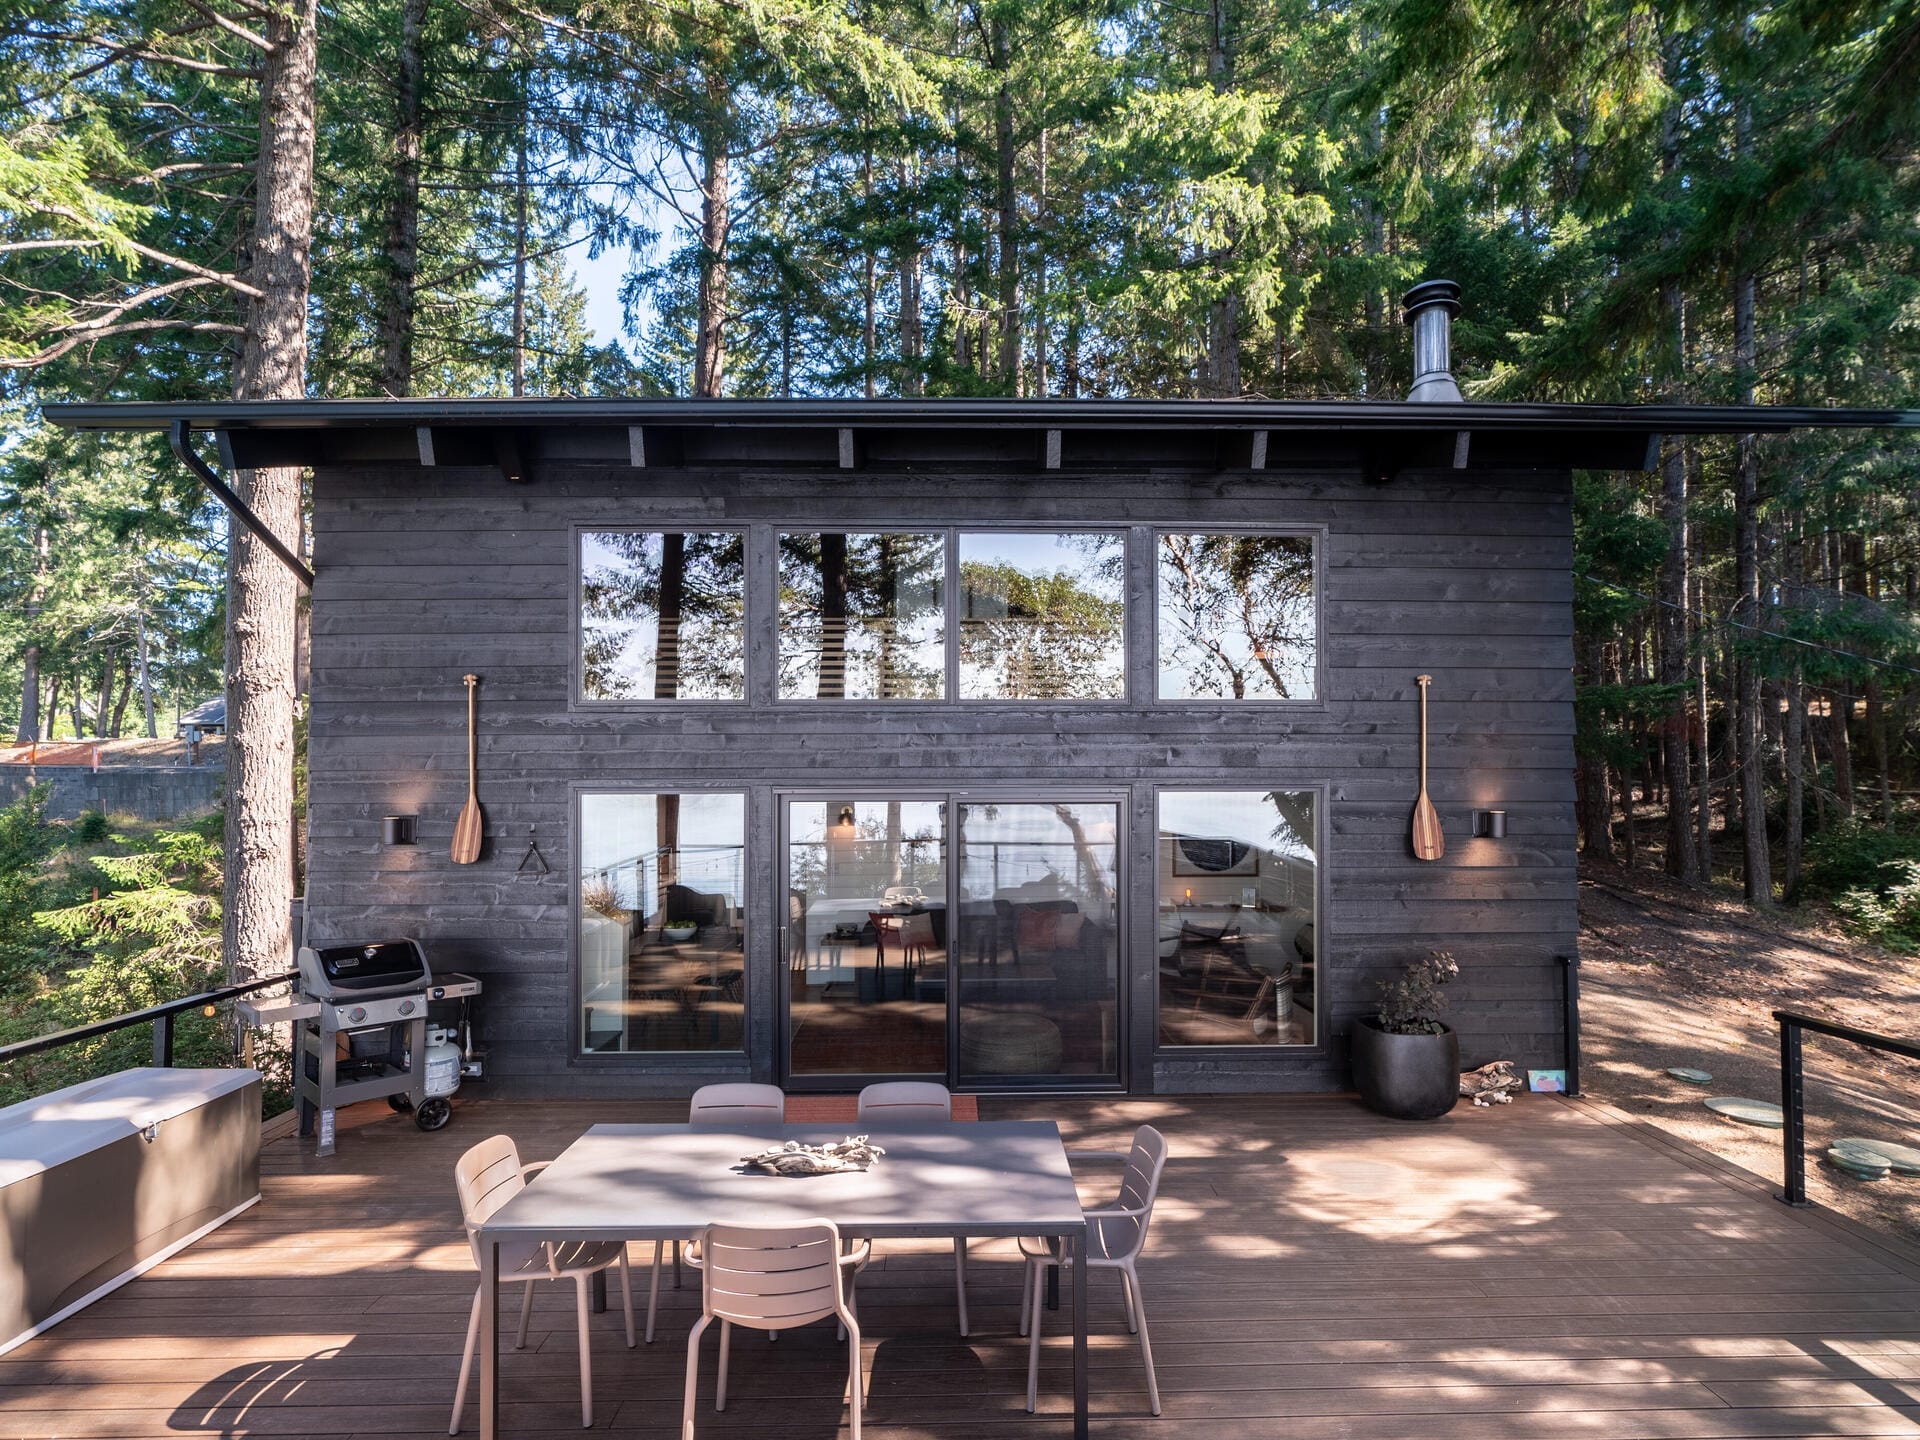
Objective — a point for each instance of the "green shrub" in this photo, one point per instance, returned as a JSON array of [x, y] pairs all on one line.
[[1888, 912], [91, 828], [1857, 855]]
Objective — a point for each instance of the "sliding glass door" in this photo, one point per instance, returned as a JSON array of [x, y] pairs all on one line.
[[1039, 940], [965, 938]]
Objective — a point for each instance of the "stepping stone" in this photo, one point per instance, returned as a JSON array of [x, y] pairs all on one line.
[[1690, 1075], [1859, 1162], [1747, 1112], [1905, 1159]]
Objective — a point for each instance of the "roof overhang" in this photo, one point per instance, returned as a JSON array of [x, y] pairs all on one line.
[[1383, 437]]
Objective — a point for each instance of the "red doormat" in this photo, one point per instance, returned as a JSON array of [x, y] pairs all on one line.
[[845, 1109]]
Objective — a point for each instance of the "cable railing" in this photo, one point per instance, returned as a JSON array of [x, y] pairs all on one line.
[[1793, 1099], [161, 1017]]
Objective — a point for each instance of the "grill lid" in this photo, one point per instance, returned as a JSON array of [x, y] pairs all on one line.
[[381, 967]]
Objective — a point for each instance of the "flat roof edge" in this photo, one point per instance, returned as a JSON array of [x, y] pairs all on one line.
[[909, 414]]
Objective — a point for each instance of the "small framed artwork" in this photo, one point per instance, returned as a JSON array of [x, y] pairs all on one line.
[[1196, 855], [1547, 1082]]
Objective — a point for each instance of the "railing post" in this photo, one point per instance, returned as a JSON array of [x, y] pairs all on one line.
[[1570, 1020], [1793, 1110], [163, 1041]]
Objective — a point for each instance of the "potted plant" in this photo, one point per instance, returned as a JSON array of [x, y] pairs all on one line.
[[1406, 1064]]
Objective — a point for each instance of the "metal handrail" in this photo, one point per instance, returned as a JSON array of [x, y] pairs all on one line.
[[160, 1016], [1793, 1099]]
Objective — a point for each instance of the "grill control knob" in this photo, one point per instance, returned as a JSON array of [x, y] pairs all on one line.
[[357, 1014], [406, 1007]]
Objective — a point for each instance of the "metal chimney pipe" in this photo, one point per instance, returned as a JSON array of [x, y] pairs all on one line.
[[1430, 307]]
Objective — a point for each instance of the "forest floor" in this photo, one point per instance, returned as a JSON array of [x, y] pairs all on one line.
[[1686, 975]]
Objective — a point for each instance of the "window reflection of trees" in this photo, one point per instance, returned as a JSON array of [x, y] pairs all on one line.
[[1033, 634], [1237, 617], [663, 615], [862, 616]]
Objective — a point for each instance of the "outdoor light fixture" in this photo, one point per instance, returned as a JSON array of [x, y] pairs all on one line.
[[1490, 824], [397, 830], [846, 815]]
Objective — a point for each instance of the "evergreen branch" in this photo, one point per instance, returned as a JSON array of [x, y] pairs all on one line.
[[160, 257]]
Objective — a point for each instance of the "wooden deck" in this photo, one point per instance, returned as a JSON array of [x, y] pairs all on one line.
[[1315, 1274]]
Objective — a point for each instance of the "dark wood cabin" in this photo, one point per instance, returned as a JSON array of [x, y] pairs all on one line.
[[1050, 744]]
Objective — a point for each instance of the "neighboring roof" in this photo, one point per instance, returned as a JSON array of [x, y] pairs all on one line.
[[1054, 433], [208, 714]]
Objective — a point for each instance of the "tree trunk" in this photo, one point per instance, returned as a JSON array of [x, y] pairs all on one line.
[[118, 728], [1041, 341], [1839, 714], [1794, 753], [143, 660], [29, 727], [710, 356], [103, 697], [833, 617], [666, 640], [1749, 732], [403, 207], [1006, 202], [1596, 800], [258, 894], [1674, 665], [520, 251], [869, 281], [1702, 743], [53, 706], [1877, 744], [912, 372]]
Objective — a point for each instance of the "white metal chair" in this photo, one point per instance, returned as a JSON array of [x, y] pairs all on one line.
[[775, 1280], [737, 1105], [1115, 1237], [904, 1102], [731, 1104], [487, 1177]]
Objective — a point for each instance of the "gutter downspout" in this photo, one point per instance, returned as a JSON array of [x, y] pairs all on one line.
[[180, 435]]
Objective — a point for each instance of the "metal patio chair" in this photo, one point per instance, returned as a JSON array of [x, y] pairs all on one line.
[[1115, 1237], [775, 1280], [487, 1177], [729, 1104], [903, 1102]]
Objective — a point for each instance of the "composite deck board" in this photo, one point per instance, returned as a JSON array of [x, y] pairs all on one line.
[[1538, 1270]]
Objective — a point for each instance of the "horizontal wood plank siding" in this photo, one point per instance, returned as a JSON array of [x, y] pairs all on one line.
[[423, 576]]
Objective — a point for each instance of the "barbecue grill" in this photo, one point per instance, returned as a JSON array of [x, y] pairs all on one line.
[[360, 1032]]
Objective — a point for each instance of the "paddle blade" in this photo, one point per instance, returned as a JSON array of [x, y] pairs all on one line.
[[466, 834], [1428, 842]]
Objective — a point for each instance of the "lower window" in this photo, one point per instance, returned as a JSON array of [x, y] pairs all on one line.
[[1235, 871], [662, 926]]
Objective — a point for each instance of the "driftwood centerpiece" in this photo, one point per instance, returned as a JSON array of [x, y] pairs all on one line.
[[793, 1158]]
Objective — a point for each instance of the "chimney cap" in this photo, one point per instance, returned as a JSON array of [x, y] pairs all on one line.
[[1428, 293]]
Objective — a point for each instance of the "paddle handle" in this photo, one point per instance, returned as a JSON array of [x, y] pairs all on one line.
[[1423, 681], [473, 737]]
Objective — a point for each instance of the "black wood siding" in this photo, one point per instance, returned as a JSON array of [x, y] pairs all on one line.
[[424, 575]]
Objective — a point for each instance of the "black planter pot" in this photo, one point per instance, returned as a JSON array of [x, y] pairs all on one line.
[[1409, 1077]]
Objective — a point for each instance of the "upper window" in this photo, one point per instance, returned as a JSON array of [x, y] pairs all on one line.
[[1238, 617], [1042, 616], [863, 616], [662, 615]]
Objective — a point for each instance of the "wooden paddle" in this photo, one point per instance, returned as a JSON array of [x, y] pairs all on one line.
[[1428, 842], [466, 830]]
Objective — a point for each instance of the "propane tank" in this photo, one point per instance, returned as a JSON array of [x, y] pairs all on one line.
[[443, 1063]]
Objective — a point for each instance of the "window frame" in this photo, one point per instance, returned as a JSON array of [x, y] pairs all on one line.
[[1316, 536], [696, 1060], [1319, 1046], [577, 698]]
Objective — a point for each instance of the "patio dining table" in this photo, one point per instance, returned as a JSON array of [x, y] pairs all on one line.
[[666, 1182]]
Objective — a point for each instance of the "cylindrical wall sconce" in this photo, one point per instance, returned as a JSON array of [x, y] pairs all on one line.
[[397, 830], [1490, 824]]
